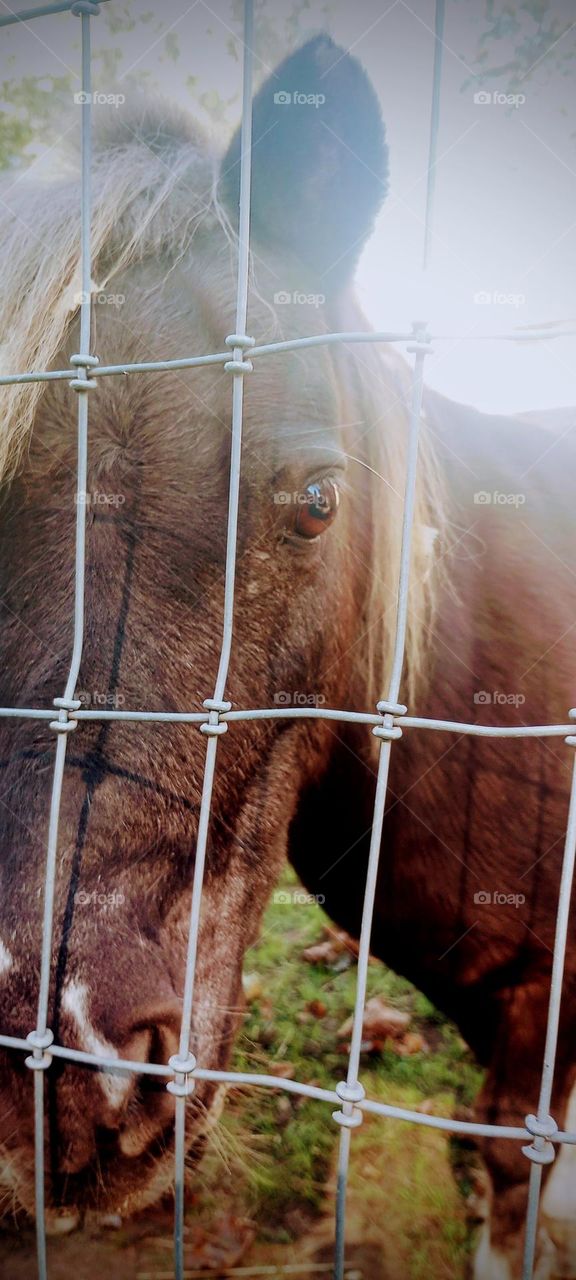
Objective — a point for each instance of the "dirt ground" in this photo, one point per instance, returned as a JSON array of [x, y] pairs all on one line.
[[83, 1259], [385, 1240]]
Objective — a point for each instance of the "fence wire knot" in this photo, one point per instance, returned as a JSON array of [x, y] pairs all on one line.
[[85, 8], [239, 343], [39, 1060], [388, 731], [84, 363], [350, 1117], [182, 1086], [213, 725], [65, 705], [541, 1151], [421, 340], [571, 741]]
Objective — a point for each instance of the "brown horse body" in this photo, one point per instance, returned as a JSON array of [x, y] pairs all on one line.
[[474, 832], [312, 617]]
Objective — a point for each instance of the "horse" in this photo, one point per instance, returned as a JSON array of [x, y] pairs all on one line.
[[473, 832], [474, 829]]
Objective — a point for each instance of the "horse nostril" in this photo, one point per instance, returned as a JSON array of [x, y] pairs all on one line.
[[150, 1108]]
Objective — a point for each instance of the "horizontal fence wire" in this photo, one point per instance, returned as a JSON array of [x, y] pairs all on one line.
[[275, 348], [306, 713], [539, 1133], [46, 10]]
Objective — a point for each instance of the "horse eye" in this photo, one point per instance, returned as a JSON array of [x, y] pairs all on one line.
[[318, 507]]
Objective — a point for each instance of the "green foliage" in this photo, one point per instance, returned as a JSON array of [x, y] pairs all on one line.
[[291, 1139], [39, 109], [120, 18], [522, 39], [33, 109]]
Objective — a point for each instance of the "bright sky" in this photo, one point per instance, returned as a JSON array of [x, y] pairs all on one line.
[[505, 212]]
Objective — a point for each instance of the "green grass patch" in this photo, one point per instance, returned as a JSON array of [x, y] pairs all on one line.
[[277, 1151]]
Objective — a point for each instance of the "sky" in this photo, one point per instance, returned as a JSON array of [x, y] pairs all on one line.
[[503, 244]]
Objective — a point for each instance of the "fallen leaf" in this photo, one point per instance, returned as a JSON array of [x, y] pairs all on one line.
[[251, 986], [342, 939], [337, 948], [321, 953], [379, 1022], [284, 1111], [414, 1042], [317, 1008], [285, 1070], [220, 1246]]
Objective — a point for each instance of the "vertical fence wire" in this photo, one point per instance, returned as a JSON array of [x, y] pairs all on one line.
[[542, 1125], [41, 1038], [184, 1063], [350, 1117], [434, 125]]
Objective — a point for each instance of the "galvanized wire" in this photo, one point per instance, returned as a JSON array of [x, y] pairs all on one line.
[[539, 1132], [44, 11], [273, 348], [542, 1126], [434, 126], [308, 713], [41, 1038], [238, 342]]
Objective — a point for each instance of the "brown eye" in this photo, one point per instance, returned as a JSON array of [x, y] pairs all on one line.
[[318, 507]]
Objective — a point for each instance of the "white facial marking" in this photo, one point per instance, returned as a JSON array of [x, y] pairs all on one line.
[[490, 1263], [74, 1001], [6, 960], [559, 1199]]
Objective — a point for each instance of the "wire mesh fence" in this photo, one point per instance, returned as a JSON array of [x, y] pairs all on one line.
[[539, 1132]]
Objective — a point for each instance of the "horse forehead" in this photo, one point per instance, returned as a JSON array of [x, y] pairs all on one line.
[[294, 402]]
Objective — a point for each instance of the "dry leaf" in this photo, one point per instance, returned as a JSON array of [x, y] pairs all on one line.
[[220, 1246], [321, 953], [380, 1021], [317, 1008], [285, 1070], [251, 986]]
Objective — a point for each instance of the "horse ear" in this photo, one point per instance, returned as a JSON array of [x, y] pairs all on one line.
[[319, 160]]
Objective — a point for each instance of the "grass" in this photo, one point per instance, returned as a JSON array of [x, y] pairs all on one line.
[[279, 1150]]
